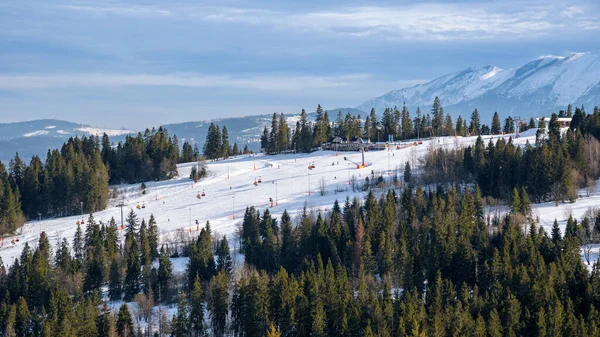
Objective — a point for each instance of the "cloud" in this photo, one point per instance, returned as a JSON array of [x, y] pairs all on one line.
[[271, 82], [423, 22]]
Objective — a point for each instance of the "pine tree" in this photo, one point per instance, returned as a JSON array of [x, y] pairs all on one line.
[[225, 149], [165, 273], [515, 204], [196, 305], [22, 318], [496, 124], [224, 261], [475, 126], [78, 245], [219, 302], [407, 173], [153, 237], [437, 111], [525, 202], [181, 324], [131, 285], [124, 321], [115, 291]]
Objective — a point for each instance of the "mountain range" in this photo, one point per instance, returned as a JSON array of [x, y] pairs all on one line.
[[540, 87]]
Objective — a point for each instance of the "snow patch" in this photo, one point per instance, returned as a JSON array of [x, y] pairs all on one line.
[[491, 74], [50, 127], [36, 133], [62, 132], [100, 131]]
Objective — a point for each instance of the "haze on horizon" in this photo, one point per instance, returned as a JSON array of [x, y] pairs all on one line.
[[131, 64]]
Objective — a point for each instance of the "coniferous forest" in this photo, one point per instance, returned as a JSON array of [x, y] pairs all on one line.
[[75, 179], [421, 259]]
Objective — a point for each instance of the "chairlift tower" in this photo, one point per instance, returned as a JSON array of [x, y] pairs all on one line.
[[516, 120], [121, 205]]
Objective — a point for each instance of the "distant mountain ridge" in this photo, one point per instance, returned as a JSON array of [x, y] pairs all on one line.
[[542, 86], [36, 137]]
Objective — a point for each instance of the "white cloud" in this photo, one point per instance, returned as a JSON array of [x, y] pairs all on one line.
[[425, 21], [271, 82]]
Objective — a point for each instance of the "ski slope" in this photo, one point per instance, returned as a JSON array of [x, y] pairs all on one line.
[[229, 190]]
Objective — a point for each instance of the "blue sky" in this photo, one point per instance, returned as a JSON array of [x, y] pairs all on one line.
[[143, 63]]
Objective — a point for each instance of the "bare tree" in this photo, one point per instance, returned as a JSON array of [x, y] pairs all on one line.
[[556, 193], [354, 183], [322, 186], [164, 326], [590, 186], [145, 303]]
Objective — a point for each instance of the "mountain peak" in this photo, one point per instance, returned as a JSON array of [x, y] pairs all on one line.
[[543, 85]]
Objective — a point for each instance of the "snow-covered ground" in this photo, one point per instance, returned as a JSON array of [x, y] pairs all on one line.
[[109, 132], [229, 190]]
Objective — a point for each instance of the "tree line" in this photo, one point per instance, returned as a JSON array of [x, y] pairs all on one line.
[[554, 168], [394, 123], [217, 144], [75, 178], [70, 181]]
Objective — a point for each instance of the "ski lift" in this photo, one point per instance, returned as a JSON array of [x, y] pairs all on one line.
[[259, 180]]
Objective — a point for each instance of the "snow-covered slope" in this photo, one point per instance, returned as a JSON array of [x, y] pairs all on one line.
[[541, 86], [229, 190]]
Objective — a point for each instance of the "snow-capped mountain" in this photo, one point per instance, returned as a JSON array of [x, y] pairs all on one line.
[[540, 87]]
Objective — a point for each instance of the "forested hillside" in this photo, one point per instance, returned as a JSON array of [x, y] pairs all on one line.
[[75, 179], [420, 257]]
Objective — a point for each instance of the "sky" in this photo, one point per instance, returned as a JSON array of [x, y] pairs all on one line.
[[136, 64]]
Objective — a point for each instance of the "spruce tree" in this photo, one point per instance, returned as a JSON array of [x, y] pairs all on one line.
[[196, 307], [165, 273], [515, 203], [496, 124], [219, 303], [407, 173], [115, 290], [180, 326], [224, 261], [475, 126], [225, 149], [124, 321], [153, 232]]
